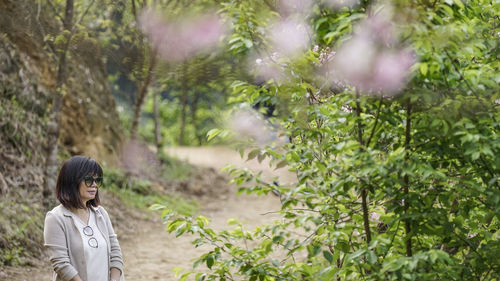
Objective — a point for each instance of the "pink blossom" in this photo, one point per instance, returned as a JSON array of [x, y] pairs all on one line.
[[370, 60], [375, 217], [326, 55], [289, 36], [176, 40], [341, 3], [391, 70], [268, 68], [379, 27], [346, 108], [353, 61], [248, 123], [288, 7]]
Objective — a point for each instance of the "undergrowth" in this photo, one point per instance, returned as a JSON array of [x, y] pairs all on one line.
[[173, 168], [21, 228], [141, 194]]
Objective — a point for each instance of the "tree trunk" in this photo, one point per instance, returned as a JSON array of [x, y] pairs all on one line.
[[157, 122], [51, 165], [364, 192], [406, 180], [194, 121], [141, 94], [184, 97]]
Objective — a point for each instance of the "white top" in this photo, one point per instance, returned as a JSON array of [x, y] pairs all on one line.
[[95, 249]]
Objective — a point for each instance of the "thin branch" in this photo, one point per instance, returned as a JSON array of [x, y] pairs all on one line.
[[54, 10], [83, 14], [270, 6], [134, 11], [488, 168], [376, 122], [407, 180], [42, 29], [364, 193], [392, 240], [277, 212], [358, 114], [465, 80]]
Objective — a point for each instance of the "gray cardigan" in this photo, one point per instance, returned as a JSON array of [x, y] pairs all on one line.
[[65, 247]]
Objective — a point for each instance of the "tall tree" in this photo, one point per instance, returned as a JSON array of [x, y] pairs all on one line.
[[156, 117], [55, 116], [146, 67], [184, 101]]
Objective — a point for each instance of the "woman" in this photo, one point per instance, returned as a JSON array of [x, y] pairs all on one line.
[[78, 234]]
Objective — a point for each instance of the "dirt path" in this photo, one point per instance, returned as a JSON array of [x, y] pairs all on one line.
[[155, 253], [150, 253]]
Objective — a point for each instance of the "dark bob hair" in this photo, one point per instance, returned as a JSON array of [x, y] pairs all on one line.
[[70, 176]]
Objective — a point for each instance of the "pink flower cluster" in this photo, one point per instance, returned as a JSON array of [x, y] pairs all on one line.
[[289, 7], [248, 123], [371, 61], [341, 3], [325, 56], [177, 40], [270, 67], [289, 36]]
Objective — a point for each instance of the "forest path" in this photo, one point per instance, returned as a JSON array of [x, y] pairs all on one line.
[[154, 253], [151, 253]]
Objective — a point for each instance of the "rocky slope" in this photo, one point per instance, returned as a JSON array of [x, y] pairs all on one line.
[[89, 121]]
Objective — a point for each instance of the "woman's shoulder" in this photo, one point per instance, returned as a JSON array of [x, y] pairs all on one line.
[[58, 210], [57, 214], [100, 210]]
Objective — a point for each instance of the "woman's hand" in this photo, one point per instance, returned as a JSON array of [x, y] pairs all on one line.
[[115, 274], [76, 278]]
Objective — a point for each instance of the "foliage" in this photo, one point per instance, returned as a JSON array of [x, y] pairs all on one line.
[[21, 228], [402, 187], [207, 84], [175, 169], [191, 90], [138, 193]]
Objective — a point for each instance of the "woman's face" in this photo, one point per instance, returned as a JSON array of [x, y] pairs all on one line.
[[87, 192]]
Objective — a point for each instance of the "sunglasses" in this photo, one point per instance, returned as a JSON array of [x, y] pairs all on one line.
[[89, 180], [90, 232]]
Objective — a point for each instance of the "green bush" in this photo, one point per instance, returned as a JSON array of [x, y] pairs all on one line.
[[390, 186]]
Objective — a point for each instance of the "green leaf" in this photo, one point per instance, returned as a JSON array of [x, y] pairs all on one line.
[[156, 207], [281, 164], [210, 261], [355, 255], [328, 256], [248, 43], [372, 258], [252, 154], [423, 68], [213, 133], [459, 4]]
